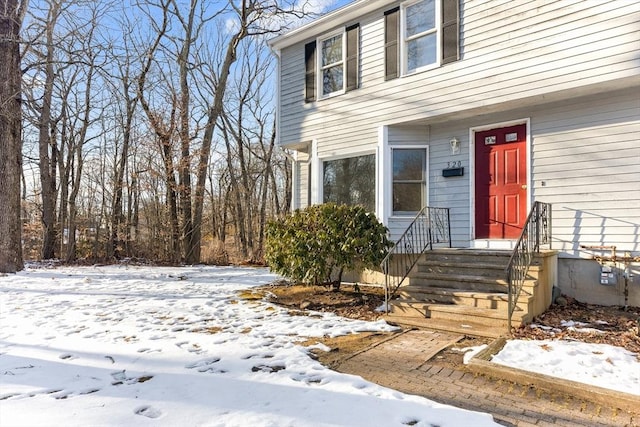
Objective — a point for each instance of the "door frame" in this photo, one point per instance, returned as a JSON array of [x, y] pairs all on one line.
[[494, 243]]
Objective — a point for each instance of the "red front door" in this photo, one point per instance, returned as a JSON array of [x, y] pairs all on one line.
[[501, 182]]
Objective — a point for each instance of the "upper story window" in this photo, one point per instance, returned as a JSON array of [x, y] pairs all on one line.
[[420, 34], [334, 67], [331, 73]]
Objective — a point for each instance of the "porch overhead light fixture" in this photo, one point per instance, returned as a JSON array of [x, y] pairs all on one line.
[[455, 145]]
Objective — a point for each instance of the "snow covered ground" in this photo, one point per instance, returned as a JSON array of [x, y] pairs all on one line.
[[120, 345], [175, 346], [601, 365]]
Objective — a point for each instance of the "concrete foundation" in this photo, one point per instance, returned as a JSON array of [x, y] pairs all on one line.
[[580, 279]]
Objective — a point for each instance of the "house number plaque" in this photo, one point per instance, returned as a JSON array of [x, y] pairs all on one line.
[[489, 140], [511, 137]]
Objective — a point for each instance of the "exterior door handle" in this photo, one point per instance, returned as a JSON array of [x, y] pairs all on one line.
[[524, 186]]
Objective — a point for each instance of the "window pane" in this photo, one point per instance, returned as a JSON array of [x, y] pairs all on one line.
[[332, 79], [409, 179], [409, 164], [421, 51], [421, 17], [407, 197], [332, 50], [350, 181]]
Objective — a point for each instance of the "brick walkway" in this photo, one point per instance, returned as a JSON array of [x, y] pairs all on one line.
[[402, 363]]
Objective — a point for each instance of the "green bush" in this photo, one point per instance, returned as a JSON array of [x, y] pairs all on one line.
[[317, 244]]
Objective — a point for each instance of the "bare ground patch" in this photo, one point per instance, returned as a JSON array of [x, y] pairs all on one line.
[[617, 326]]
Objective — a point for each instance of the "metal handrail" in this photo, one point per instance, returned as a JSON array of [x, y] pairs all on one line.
[[536, 232], [430, 226]]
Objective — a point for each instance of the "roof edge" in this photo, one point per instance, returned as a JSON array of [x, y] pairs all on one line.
[[326, 22]]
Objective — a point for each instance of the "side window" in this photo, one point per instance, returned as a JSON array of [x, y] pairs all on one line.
[[409, 186], [332, 64], [414, 36]]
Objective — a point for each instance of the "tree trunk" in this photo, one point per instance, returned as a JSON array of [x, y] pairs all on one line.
[[47, 166], [265, 186], [172, 201], [214, 113], [117, 216], [191, 254], [10, 137]]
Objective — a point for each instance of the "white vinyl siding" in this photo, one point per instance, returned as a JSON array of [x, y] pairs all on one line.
[[586, 162], [570, 68], [539, 51]]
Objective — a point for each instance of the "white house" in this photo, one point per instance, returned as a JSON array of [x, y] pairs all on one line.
[[403, 104]]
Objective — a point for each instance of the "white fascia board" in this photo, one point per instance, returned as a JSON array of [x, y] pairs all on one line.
[[346, 14]]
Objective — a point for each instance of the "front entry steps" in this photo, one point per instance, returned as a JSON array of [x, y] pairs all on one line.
[[464, 291]]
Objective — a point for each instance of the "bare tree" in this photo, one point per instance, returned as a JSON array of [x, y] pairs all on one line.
[[11, 17], [248, 129], [185, 50], [47, 150], [178, 86], [126, 119]]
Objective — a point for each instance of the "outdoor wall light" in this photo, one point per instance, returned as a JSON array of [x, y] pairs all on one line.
[[455, 145]]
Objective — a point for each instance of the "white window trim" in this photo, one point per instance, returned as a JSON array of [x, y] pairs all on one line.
[[319, 67], [389, 203], [316, 174], [319, 175], [383, 168], [404, 71]]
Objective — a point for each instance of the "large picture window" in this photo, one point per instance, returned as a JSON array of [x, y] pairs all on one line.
[[409, 180], [350, 181]]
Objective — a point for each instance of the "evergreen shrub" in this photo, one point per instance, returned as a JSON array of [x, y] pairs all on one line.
[[317, 244]]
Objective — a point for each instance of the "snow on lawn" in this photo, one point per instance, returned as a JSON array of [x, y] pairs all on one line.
[[158, 346], [601, 365]]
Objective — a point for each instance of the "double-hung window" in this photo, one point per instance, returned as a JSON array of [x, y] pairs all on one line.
[[420, 34], [336, 68], [332, 61], [409, 186]]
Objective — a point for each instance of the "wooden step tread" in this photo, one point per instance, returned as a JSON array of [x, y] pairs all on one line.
[[479, 264], [470, 251], [490, 313], [461, 293], [466, 327], [438, 263], [450, 291], [462, 278]]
